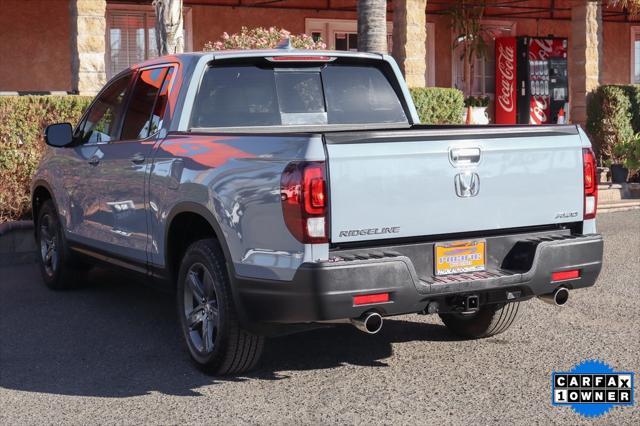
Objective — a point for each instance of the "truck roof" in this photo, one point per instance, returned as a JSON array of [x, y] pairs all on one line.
[[186, 58]]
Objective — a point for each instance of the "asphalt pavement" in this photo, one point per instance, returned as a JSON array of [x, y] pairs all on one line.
[[111, 354]]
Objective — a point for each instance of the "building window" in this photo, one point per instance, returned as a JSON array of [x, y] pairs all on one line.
[[635, 55], [484, 70], [342, 34], [131, 36], [339, 34]]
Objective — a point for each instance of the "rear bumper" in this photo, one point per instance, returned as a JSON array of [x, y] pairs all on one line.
[[518, 268]]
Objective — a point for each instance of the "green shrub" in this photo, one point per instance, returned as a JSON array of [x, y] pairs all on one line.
[[633, 93], [22, 123], [477, 101], [608, 119], [628, 154], [438, 105]]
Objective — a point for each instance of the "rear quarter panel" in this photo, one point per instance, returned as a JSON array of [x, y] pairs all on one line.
[[237, 179]]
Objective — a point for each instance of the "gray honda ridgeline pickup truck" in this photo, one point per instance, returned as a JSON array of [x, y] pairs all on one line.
[[294, 189]]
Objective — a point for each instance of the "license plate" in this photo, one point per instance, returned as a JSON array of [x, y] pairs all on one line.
[[459, 257]]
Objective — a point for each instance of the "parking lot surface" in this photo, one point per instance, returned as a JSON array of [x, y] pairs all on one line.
[[111, 353]]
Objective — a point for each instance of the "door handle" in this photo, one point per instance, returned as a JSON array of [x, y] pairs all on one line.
[[464, 156], [137, 158], [94, 161]]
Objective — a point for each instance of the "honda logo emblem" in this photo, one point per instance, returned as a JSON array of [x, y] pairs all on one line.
[[467, 184]]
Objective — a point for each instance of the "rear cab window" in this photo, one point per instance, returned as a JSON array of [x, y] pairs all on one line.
[[260, 93]]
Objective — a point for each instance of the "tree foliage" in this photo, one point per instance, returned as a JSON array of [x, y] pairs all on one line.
[[469, 36], [633, 6]]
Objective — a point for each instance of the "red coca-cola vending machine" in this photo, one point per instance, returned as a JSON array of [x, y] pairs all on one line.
[[532, 85]]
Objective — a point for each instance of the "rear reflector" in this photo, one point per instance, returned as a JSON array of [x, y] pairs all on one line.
[[371, 298], [565, 275]]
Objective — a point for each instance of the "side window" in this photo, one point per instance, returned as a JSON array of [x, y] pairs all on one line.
[[163, 99], [139, 118], [101, 122]]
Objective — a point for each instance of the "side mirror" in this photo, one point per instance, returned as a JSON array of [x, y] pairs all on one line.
[[58, 135]]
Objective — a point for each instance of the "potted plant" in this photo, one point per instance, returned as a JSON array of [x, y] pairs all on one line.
[[476, 110], [470, 36], [625, 158], [618, 171]]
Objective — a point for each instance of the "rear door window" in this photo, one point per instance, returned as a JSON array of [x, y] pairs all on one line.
[[250, 95], [139, 118], [161, 104]]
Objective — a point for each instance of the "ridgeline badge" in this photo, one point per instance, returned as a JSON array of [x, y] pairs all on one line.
[[592, 388]]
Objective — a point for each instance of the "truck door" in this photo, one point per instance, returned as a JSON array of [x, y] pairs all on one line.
[[81, 164], [125, 166]]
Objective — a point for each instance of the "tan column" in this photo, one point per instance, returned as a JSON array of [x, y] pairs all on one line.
[[585, 55], [88, 45], [409, 40]]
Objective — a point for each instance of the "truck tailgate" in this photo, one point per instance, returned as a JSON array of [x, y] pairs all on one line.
[[419, 182]]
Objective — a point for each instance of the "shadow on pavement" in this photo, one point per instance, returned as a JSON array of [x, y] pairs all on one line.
[[118, 338]]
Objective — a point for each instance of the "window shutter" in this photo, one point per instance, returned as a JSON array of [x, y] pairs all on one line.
[[132, 37], [126, 40]]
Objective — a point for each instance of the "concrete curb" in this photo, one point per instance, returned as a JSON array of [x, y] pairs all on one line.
[[17, 243], [623, 206]]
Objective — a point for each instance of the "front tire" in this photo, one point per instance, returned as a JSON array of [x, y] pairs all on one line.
[[215, 339], [488, 321], [59, 270]]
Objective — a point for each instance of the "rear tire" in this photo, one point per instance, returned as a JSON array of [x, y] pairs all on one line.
[[488, 321], [215, 339], [59, 269]]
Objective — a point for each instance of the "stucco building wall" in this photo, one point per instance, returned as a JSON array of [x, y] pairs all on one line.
[[35, 44], [35, 49]]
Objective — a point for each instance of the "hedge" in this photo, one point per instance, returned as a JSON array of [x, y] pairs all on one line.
[[22, 123], [609, 117], [438, 105]]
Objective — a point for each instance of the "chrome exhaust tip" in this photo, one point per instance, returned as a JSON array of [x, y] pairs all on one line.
[[558, 298], [369, 323]]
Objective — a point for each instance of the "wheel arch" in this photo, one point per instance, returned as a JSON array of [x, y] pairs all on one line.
[[202, 215], [192, 210], [41, 191]]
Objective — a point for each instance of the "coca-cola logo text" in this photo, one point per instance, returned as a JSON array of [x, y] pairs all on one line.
[[506, 67], [538, 112], [543, 51]]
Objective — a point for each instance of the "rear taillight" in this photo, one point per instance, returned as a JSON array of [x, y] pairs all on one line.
[[303, 191], [590, 184]]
